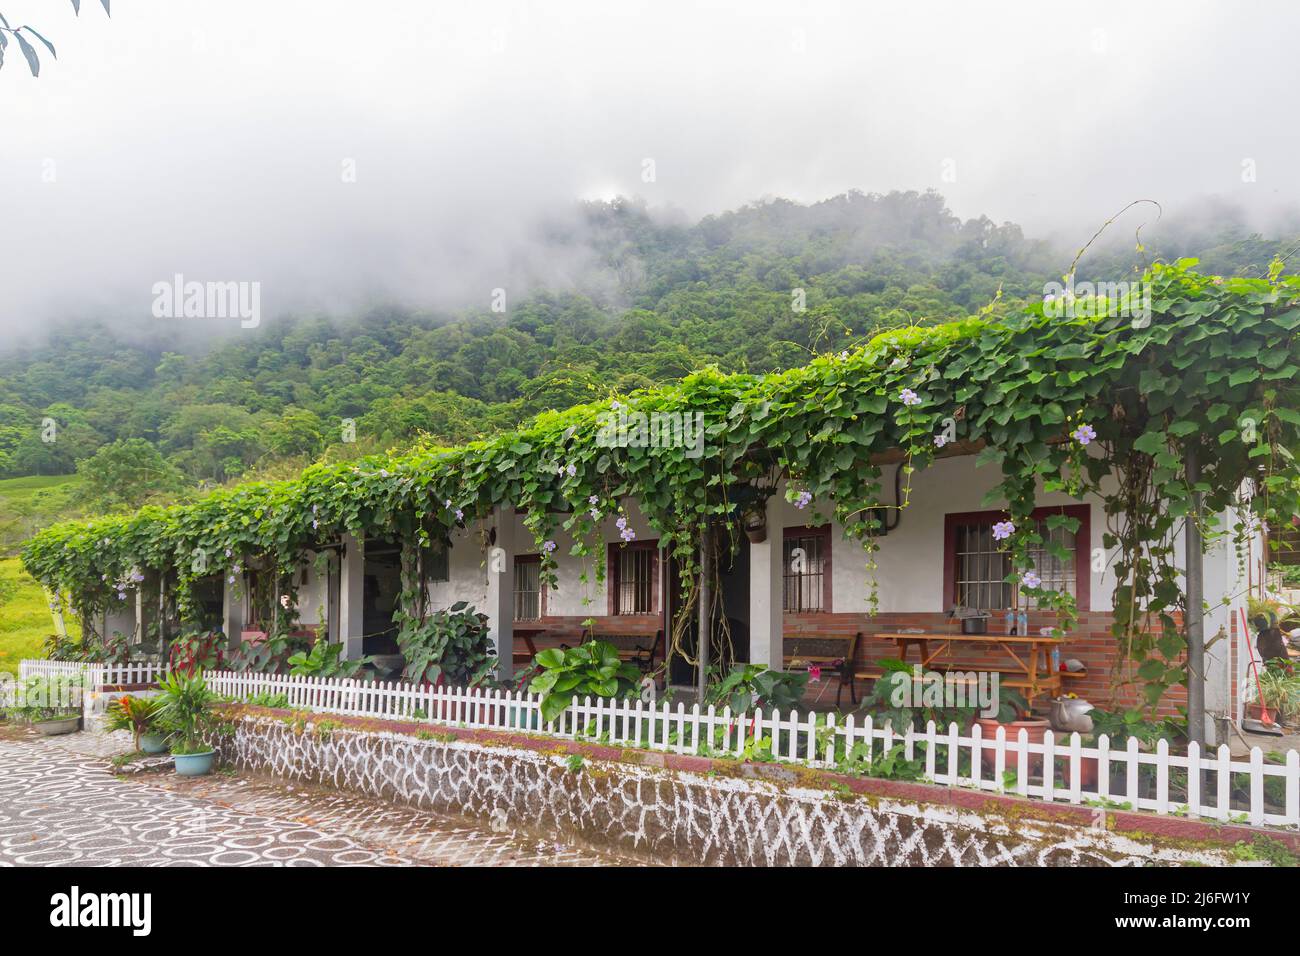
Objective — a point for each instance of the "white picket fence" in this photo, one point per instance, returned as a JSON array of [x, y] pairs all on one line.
[[1226, 790], [1248, 790], [95, 675]]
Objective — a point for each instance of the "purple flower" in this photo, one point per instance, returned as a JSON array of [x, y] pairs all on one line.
[[1031, 580], [593, 500], [314, 523], [940, 441], [621, 523], [910, 397], [570, 470], [804, 500], [549, 546], [460, 515], [1003, 530], [1084, 434], [628, 534]]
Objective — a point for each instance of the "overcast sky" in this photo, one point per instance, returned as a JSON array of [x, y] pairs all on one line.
[[212, 137]]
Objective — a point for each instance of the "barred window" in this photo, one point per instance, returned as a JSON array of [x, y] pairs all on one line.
[[528, 589], [634, 579], [806, 571], [979, 563]]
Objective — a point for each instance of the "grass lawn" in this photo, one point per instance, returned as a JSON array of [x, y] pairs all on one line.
[[24, 615], [29, 504]]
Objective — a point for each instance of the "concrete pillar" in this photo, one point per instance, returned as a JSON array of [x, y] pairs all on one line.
[[766, 619], [232, 609], [138, 636], [352, 571], [501, 591]]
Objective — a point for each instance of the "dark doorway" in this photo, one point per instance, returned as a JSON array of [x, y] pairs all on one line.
[[730, 633], [381, 589]]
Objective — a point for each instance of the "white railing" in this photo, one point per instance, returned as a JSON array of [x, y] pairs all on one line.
[[95, 675], [1243, 790]]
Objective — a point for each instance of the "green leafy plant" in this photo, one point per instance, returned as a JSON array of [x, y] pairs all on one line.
[[39, 699], [185, 710], [883, 704], [266, 656], [593, 669], [1120, 725], [750, 686], [324, 660], [139, 715], [450, 646]]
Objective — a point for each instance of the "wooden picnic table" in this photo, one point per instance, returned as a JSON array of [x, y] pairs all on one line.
[[1031, 652]]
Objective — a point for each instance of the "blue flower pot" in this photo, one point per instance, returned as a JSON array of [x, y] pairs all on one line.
[[153, 743], [194, 765]]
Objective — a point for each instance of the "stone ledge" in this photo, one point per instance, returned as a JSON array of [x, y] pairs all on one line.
[[1002, 813]]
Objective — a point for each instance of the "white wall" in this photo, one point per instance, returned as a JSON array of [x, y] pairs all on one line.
[[469, 568]]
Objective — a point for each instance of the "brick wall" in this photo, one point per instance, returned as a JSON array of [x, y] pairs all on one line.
[[1090, 642]]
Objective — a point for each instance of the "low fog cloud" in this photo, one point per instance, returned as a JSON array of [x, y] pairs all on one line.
[[343, 152]]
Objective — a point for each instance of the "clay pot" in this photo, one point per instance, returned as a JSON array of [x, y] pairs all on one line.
[[1088, 771], [1034, 731]]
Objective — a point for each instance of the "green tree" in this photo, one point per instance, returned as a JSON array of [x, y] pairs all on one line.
[[127, 474]]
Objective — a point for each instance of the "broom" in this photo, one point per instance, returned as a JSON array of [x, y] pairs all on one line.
[[1266, 724]]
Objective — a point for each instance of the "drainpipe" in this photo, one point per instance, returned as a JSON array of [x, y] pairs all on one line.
[[1193, 548], [706, 602]]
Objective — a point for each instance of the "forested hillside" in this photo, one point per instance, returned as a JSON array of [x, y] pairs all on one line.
[[654, 299]]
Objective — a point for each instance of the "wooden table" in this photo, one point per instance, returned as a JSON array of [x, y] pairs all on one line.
[[1029, 651]]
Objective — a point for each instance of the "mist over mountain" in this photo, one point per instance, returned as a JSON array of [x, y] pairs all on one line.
[[643, 297]]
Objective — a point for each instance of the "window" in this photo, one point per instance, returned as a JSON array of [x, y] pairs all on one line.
[[806, 560], [975, 564], [528, 587], [437, 563], [633, 578]]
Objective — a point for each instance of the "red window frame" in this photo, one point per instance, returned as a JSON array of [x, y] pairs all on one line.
[[541, 588], [1082, 547], [824, 533], [612, 577]]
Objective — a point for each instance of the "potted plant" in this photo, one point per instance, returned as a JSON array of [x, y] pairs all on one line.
[[1013, 716], [139, 715], [185, 709], [52, 704], [755, 523]]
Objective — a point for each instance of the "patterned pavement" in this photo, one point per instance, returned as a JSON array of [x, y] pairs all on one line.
[[62, 804]]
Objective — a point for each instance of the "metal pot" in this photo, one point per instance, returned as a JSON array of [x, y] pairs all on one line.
[[974, 625], [1070, 714]]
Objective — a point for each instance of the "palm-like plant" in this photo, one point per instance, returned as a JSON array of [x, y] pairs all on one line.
[[136, 714], [185, 709]]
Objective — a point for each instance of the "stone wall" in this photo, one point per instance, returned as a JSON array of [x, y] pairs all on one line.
[[728, 814]]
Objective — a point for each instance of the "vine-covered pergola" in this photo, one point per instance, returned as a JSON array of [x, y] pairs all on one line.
[[1169, 419]]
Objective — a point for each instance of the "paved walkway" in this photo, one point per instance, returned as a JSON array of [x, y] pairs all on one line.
[[62, 804]]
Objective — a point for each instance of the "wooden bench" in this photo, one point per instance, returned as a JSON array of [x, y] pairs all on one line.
[[829, 652]]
